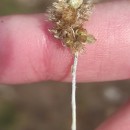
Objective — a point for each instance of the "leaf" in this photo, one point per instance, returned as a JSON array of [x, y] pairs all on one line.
[[90, 39]]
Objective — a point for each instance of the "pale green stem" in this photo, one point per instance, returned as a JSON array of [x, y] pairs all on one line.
[[73, 101]]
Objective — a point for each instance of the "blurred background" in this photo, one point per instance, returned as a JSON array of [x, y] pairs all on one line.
[[46, 106]]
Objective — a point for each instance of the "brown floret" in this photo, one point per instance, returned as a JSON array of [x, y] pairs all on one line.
[[69, 24]]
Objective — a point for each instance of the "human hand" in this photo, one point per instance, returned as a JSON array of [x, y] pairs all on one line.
[[29, 53]]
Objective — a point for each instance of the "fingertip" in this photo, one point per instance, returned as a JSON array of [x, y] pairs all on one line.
[[119, 121]]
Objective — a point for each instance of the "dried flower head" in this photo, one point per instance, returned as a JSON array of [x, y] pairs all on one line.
[[69, 21]]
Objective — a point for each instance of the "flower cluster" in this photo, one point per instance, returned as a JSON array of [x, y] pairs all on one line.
[[69, 24]]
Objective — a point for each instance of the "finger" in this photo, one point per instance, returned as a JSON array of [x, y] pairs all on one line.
[[119, 121], [29, 53]]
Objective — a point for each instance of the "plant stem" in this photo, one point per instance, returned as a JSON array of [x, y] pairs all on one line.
[[74, 69]]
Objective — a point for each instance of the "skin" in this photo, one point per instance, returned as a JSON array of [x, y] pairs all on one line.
[[29, 53]]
